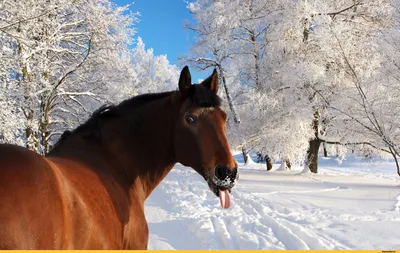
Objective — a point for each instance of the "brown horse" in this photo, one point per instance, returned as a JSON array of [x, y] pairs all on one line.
[[89, 191]]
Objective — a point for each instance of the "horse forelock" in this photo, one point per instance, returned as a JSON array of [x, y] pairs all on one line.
[[202, 96]]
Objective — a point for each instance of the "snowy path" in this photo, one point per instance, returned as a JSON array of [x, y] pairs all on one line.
[[275, 210]]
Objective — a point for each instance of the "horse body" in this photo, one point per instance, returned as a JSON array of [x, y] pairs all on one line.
[[89, 191], [87, 209]]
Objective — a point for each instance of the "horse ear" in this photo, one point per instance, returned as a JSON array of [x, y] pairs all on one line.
[[212, 82], [185, 81]]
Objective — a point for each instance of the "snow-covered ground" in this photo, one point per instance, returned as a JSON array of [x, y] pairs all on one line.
[[352, 205]]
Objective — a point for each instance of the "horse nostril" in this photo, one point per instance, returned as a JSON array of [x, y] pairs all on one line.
[[221, 172]]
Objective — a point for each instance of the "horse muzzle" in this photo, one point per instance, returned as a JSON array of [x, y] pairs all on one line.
[[222, 182]]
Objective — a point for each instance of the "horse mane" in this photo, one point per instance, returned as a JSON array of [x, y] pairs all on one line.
[[199, 95], [105, 111]]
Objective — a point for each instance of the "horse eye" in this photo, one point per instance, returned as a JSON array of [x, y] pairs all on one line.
[[191, 120]]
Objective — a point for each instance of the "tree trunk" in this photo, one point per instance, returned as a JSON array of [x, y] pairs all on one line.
[[396, 160], [44, 133], [313, 148], [288, 163], [253, 39], [30, 134], [268, 162], [31, 140], [245, 155], [235, 115], [312, 155], [325, 151]]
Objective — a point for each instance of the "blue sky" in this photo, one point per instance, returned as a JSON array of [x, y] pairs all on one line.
[[161, 26]]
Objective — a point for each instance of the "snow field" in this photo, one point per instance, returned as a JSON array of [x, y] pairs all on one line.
[[346, 206]]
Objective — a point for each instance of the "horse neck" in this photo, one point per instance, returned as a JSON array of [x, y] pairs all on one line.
[[142, 144], [138, 148]]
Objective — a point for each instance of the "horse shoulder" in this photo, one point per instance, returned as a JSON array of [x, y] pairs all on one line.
[[95, 208], [136, 231]]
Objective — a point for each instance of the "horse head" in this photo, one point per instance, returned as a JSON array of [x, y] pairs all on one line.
[[200, 135]]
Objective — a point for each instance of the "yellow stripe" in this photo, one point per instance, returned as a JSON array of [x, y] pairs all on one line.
[[202, 251]]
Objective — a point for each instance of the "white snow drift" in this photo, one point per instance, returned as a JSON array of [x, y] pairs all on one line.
[[354, 205]]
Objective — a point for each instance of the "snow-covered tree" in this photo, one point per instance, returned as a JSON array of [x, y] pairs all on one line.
[[233, 36], [153, 73], [330, 43], [57, 52], [295, 67], [371, 101]]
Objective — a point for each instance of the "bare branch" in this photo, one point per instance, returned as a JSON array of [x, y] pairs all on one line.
[[27, 19], [333, 14]]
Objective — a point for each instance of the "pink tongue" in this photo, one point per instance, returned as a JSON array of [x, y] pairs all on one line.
[[224, 198]]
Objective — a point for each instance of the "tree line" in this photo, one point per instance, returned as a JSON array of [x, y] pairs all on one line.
[[297, 76]]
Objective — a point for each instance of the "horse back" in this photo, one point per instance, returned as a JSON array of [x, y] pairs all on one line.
[[30, 198]]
